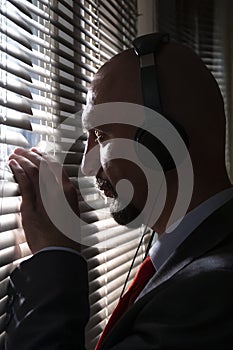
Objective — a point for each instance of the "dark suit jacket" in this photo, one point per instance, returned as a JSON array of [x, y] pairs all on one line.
[[190, 305]]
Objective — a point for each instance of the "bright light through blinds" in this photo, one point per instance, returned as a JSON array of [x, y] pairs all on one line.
[[49, 51]]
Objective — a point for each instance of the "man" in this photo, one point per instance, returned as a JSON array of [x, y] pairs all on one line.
[[188, 303]]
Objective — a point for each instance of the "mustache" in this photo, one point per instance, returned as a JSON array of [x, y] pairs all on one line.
[[105, 185]]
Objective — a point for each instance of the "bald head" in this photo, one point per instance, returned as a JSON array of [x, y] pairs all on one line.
[[189, 94], [185, 83], [118, 80]]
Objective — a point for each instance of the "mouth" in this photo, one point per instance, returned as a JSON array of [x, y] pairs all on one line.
[[106, 187]]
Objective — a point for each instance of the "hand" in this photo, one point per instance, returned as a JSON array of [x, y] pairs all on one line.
[[40, 187]]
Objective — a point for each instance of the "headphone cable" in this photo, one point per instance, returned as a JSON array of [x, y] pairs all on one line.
[[134, 258], [141, 240]]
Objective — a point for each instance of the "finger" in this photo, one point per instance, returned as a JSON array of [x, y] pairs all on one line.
[[57, 169], [41, 159], [30, 169], [36, 150], [43, 182], [44, 161], [32, 156], [25, 185]]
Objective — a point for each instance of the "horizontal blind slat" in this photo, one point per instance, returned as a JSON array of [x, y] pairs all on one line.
[[15, 69], [15, 51], [14, 85], [3, 287], [11, 12], [14, 253], [17, 120], [21, 7], [2, 340], [9, 222], [12, 31], [11, 237], [8, 255], [9, 205], [3, 303], [11, 137], [2, 322], [8, 189], [5, 271], [15, 102]]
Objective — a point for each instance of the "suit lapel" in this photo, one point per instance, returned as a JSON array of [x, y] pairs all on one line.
[[207, 235]]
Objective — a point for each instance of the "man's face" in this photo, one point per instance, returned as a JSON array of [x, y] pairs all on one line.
[[105, 144]]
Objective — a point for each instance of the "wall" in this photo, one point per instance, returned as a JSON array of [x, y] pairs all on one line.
[[147, 16]]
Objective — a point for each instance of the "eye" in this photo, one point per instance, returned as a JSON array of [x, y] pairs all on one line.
[[99, 136]]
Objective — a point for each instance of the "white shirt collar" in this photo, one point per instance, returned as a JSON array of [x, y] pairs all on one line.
[[170, 240]]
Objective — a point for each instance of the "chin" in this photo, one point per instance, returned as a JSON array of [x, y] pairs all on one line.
[[125, 215]]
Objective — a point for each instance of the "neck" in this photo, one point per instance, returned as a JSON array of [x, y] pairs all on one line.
[[202, 191]]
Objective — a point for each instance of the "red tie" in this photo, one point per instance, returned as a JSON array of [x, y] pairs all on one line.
[[143, 275]]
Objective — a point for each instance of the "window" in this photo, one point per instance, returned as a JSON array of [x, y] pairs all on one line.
[[49, 51], [206, 27]]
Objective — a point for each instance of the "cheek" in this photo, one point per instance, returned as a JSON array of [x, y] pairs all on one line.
[[119, 161], [135, 186], [118, 158], [116, 149]]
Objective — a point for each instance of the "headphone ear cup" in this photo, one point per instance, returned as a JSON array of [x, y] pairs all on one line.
[[157, 148]]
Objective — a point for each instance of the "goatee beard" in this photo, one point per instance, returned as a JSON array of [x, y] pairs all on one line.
[[125, 214]]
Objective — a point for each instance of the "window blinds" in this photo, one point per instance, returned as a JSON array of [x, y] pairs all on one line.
[[194, 25], [205, 26], [49, 52]]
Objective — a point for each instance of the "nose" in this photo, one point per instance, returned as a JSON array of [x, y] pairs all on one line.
[[91, 159]]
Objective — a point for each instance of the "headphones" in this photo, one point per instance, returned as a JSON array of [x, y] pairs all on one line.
[[146, 47]]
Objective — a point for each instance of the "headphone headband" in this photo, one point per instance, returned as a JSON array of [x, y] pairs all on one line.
[[146, 47], [149, 43]]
